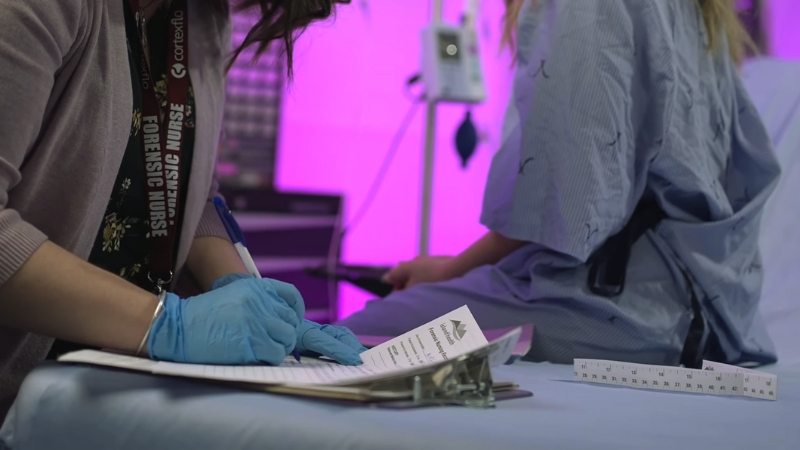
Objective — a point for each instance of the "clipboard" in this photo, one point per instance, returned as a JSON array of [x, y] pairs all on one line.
[[462, 381], [447, 361], [346, 396]]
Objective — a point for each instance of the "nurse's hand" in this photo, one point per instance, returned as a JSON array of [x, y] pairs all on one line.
[[285, 291], [244, 322], [338, 343], [423, 269], [314, 339]]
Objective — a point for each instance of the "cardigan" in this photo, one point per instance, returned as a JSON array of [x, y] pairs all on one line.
[[65, 106]]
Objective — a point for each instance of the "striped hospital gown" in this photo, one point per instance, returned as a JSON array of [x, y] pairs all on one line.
[[615, 101]]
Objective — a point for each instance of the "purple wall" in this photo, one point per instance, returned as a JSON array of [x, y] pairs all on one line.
[[784, 28], [345, 104]]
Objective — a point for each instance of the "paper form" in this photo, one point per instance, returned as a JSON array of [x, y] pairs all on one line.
[[451, 335], [320, 373], [110, 359]]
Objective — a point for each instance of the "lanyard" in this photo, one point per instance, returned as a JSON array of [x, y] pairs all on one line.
[[162, 139]]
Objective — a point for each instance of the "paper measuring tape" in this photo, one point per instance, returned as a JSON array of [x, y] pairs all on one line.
[[714, 378]]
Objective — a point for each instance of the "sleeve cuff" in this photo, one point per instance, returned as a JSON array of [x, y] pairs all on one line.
[[210, 223], [19, 240]]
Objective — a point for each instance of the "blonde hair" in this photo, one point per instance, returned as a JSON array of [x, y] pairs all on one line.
[[719, 17]]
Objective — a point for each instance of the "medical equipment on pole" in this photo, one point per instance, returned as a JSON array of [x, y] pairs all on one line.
[[451, 72]]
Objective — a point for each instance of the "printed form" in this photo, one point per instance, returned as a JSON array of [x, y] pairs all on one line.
[[449, 336]]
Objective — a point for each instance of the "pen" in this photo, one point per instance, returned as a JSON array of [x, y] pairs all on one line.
[[237, 237]]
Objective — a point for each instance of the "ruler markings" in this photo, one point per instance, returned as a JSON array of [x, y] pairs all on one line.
[[713, 379]]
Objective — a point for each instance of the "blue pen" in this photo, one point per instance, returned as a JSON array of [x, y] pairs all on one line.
[[237, 237]]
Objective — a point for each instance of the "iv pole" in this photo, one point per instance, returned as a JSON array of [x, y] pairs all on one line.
[[428, 158]]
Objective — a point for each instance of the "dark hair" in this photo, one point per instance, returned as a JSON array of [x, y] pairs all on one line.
[[279, 19]]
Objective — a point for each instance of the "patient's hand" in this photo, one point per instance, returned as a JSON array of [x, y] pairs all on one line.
[[423, 269]]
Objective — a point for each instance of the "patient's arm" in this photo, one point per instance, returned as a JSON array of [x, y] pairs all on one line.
[[489, 249], [211, 258]]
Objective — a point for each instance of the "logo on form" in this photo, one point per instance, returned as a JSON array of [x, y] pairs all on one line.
[[459, 329]]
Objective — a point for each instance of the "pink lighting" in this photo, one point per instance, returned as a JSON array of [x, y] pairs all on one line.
[[784, 32], [345, 104]]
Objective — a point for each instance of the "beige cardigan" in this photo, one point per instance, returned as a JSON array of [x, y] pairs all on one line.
[[65, 112]]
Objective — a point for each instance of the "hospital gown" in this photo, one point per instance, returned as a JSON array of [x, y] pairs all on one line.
[[615, 101]]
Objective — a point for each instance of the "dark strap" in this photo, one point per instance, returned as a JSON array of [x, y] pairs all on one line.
[[695, 344], [609, 264], [163, 138]]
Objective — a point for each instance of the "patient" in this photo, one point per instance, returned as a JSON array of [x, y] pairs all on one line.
[[624, 204]]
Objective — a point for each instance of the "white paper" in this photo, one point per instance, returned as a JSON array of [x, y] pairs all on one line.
[[102, 358], [451, 335], [504, 347], [321, 373]]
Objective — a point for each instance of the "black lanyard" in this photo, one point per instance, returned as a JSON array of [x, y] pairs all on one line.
[[162, 139]]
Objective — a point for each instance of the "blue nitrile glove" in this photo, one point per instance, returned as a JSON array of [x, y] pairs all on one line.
[[244, 322], [332, 341], [285, 291]]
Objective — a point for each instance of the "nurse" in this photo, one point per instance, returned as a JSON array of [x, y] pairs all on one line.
[[110, 114], [624, 205]]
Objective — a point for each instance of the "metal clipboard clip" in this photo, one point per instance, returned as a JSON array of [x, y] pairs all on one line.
[[465, 380]]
